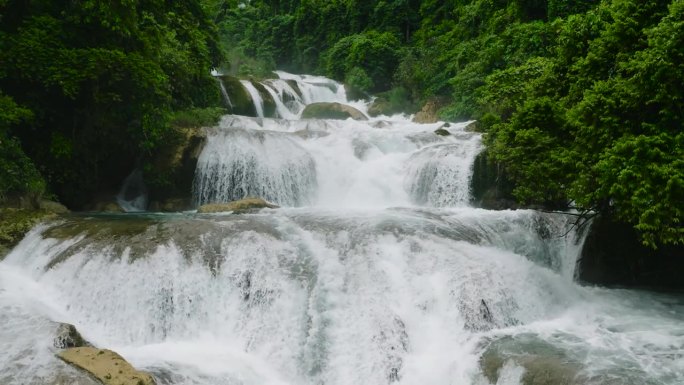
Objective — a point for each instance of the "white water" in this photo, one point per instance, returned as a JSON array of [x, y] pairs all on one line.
[[376, 271], [256, 97]]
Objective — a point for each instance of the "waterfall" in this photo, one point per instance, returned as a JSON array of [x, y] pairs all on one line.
[[375, 270], [224, 92], [133, 194], [256, 97], [238, 163]]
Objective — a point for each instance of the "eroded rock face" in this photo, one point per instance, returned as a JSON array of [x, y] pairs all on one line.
[[544, 363], [238, 206], [332, 111], [428, 114], [68, 337], [105, 365]]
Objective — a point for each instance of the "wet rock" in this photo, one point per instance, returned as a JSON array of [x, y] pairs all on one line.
[[52, 206], [67, 336], [613, 255], [473, 126], [173, 170], [237, 207], [490, 189], [429, 112], [240, 101], [171, 205], [105, 365], [544, 363], [354, 93], [442, 132], [15, 223], [332, 111], [382, 106], [268, 102]]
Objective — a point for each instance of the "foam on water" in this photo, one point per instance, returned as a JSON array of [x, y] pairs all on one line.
[[385, 275], [309, 296]]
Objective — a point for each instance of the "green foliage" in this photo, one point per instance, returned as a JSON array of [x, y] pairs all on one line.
[[197, 117], [101, 80], [369, 58]]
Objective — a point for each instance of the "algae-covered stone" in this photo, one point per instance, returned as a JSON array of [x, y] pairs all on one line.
[[240, 101], [15, 223], [544, 363], [332, 111], [238, 206], [105, 365], [267, 99]]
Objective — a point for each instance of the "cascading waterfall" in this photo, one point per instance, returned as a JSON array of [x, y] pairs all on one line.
[[238, 163], [375, 270], [256, 97]]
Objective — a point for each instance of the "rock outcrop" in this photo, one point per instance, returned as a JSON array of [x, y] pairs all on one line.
[[240, 101], [429, 112], [173, 171], [613, 255], [16, 222], [105, 365], [332, 111], [67, 336], [237, 207], [544, 363]]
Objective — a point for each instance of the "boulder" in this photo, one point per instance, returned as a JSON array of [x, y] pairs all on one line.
[[105, 365], [52, 206], [354, 93], [380, 106], [15, 223], [473, 126], [267, 98], [332, 111], [544, 364], [429, 112], [173, 170], [613, 255], [490, 189], [237, 207], [171, 205], [67, 336], [442, 132], [240, 101]]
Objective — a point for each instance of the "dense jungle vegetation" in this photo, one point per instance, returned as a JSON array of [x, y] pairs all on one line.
[[581, 102]]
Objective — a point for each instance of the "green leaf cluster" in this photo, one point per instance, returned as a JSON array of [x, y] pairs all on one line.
[[100, 81]]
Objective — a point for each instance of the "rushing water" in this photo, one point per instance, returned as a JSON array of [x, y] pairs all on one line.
[[375, 271]]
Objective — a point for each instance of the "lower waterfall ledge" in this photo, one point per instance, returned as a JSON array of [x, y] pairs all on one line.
[[237, 207]]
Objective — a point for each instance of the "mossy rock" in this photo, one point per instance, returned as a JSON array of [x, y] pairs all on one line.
[[173, 166], [430, 111], [295, 86], [332, 111], [544, 364], [15, 223], [269, 103], [239, 206], [105, 365], [241, 102], [442, 132]]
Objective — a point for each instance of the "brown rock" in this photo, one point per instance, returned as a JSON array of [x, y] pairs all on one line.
[[332, 111], [237, 207], [428, 114], [105, 365]]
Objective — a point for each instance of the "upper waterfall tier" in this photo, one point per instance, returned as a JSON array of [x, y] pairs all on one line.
[[336, 163], [283, 97]]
